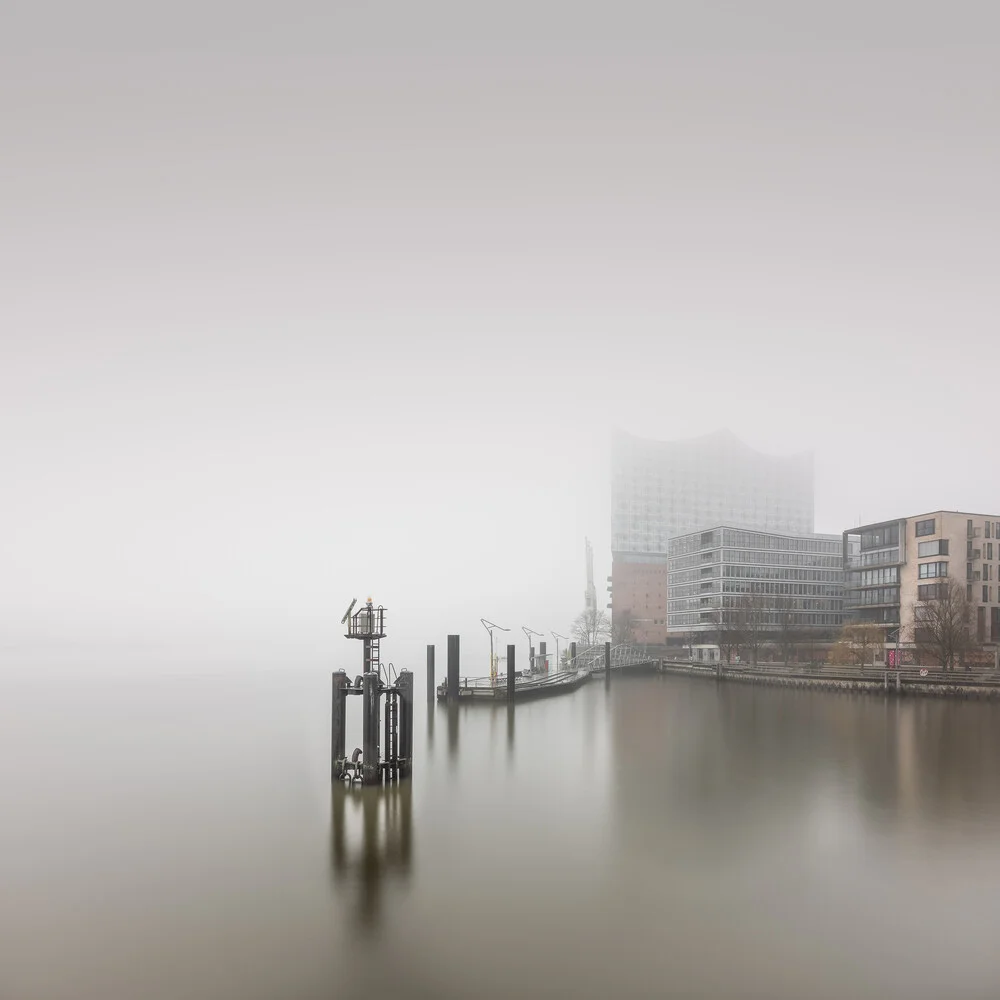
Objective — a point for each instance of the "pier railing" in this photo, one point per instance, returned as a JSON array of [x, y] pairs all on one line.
[[623, 654]]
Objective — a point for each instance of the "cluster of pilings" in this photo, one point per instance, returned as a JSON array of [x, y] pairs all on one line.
[[453, 686], [454, 670], [367, 763]]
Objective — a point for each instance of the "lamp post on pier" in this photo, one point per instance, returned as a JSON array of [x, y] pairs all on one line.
[[490, 626], [528, 633], [557, 637]]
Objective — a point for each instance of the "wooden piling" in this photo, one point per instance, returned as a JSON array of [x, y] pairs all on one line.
[[510, 675], [430, 675], [607, 661], [453, 666]]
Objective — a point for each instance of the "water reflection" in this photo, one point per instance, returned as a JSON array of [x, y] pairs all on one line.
[[510, 731], [377, 847], [746, 761], [452, 709]]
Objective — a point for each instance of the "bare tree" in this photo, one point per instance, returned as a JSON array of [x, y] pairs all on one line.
[[942, 626], [857, 644], [591, 627], [727, 631], [751, 619], [622, 626], [787, 636]]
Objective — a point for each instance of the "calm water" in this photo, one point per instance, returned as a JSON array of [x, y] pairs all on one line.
[[176, 836]]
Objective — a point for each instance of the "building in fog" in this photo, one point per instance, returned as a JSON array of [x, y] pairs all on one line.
[[664, 489], [796, 582], [661, 489], [639, 595], [895, 566]]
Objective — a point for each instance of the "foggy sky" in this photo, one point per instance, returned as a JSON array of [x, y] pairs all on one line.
[[311, 301]]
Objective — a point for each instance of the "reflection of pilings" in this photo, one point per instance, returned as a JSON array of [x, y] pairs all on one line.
[[386, 847], [510, 726], [430, 725], [339, 850], [338, 736], [370, 770], [453, 666], [430, 675], [452, 729]]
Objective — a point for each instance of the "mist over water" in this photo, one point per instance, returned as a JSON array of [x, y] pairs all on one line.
[[175, 834]]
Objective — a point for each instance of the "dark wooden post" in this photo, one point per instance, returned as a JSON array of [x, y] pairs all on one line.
[[453, 666], [607, 661], [338, 738], [510, 675], [430, 675], [541, 656], [572, 655]]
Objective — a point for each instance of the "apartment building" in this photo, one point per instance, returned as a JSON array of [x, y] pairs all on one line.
[[894, 566]]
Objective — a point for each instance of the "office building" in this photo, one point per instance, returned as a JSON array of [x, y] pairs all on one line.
[[796, 582]]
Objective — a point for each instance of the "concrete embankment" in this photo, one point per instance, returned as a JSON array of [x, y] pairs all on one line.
[[936, 684]]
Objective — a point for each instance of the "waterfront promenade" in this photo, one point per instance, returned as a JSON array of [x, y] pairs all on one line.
[[929, 682]]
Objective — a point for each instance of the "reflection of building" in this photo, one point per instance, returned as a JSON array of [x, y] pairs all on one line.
[[894, 566], [791, 583], [385, 835], [664, 489]]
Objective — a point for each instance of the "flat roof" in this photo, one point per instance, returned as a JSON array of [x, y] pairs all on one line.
[[918, 517], [758, 531]]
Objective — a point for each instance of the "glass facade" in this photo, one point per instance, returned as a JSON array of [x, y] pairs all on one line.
[[798, 579]]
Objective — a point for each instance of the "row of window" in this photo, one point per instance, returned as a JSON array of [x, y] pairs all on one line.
[[875, 577], [707, 619], [880, 538], [939, 547], [882, 557], [742, 587], [877, 595], [932, 570], [735, 602]]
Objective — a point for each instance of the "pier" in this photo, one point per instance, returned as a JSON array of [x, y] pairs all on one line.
[[583, 664]]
